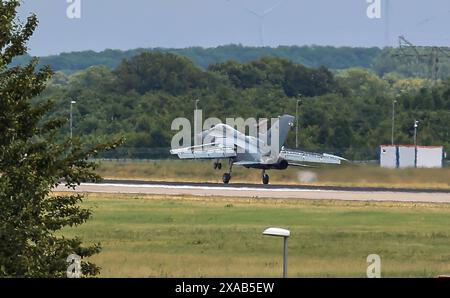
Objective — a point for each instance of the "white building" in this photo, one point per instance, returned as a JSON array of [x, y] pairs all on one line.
[[388, 156], [406, 157], [430, 157], [410, 156]]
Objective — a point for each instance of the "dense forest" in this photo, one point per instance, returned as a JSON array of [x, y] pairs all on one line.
[[381, 61], [347, 113], [312, 56]]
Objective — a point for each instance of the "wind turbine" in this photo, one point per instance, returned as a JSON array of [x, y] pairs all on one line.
[[261, 16]]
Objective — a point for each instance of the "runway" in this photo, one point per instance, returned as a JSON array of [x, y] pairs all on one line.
[[264, 191]]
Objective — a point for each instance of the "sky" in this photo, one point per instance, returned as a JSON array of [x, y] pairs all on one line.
[[128, 24]]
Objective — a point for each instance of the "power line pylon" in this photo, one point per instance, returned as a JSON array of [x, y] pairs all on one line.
[[423, 54]]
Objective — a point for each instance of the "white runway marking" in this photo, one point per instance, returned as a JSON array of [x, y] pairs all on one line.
[[204, 187], [249, 192]]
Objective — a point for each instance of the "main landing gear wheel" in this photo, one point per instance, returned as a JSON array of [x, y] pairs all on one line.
[[226, 178], [265, 178], [217, 165]]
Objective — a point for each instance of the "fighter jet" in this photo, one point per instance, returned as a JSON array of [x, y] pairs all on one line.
[[265, 152]]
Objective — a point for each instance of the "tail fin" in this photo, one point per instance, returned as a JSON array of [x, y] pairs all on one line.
[[281, 128]]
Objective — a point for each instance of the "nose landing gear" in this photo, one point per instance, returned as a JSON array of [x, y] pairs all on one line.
[[265, 177], [227, 176]]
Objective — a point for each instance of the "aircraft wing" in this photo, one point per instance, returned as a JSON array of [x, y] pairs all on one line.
[[296, 157], [205, 151]]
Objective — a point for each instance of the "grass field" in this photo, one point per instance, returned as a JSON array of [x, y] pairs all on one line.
[[350, 175], [157, 236]]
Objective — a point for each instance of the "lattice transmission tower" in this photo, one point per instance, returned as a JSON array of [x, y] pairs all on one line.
[[429, 55]]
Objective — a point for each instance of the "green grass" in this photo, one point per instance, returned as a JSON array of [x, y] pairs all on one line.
[[349, 175], [217, 237]]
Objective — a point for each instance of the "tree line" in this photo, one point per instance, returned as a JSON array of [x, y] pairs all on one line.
[[381, 61], [348, 112], [313, 56]]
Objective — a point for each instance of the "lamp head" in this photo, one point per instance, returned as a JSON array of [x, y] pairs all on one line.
[[278, 232]]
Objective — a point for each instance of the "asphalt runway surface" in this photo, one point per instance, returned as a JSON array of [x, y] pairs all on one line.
[[240, 190]]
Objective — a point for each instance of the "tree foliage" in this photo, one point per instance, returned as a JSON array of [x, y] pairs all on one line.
[[311, 56], [159, 71], [381, 61], [347, 113], [33, 160]]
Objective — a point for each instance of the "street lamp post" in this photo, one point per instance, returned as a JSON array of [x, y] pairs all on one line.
[[196, 104], [296, 116], [72, 102], [416, 125], [277, 232], [393, 120]]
